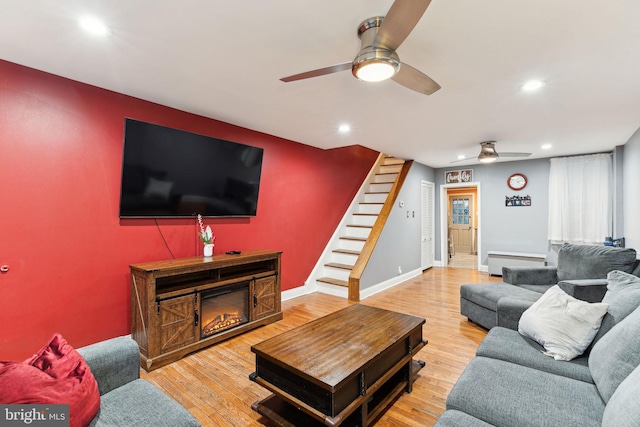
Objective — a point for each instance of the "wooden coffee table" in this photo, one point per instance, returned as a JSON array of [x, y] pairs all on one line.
[[346, 367]]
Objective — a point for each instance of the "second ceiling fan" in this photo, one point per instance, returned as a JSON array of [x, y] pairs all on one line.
[[377, 60], [489, 154]]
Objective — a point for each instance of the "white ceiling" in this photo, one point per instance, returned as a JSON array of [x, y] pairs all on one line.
[[223, 59]]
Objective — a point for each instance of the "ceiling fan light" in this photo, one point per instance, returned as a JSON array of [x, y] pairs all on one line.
[[375, 65], [487, 159], [375, 71], [488, 152]]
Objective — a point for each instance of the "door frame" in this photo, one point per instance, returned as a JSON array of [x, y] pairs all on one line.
[[433, 223], [444, 221]]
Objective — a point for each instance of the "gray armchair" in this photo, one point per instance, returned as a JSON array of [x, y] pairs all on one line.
[[125, 399]]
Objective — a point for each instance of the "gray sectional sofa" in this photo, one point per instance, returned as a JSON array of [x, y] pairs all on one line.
[[511, 382], [125, 399], [581, 272]]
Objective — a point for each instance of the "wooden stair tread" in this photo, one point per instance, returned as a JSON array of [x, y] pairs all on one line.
[[359, 239], [359, 226], [346, 251], [376, 192], [365, 214], [339, 265], [371, 203], [334, 281], [392, 161]]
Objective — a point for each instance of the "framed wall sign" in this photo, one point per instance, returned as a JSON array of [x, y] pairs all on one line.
[[517, 201], [458, 176]]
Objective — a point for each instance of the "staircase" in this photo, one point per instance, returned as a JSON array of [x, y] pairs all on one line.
[[355, 238]]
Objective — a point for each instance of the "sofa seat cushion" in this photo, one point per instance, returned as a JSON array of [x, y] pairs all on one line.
[[141, 404], [593, 262], [453, 418], [505, 394], [616, 355], [508, 345], [487, 295], [541, 289]]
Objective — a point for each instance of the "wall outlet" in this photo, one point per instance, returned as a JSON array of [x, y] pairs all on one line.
[[399, 270]]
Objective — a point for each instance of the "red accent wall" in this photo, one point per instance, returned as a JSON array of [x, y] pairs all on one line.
[[68, 252]]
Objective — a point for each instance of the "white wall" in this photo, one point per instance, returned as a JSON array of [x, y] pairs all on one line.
[[631, 191]]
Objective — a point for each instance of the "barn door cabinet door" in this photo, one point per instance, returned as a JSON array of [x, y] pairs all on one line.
[[265, 294], [178, 326]]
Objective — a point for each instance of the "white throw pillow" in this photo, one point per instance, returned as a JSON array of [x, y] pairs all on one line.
[[562, 324]]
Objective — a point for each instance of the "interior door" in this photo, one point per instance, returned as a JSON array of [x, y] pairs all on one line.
[[427, 226], [461, 216]]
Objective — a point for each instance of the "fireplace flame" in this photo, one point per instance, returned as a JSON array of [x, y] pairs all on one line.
[[221, 322]]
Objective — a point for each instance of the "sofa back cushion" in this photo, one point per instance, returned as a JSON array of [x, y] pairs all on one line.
[[623, 297], [623, 409], [593, 262], [616, 355]]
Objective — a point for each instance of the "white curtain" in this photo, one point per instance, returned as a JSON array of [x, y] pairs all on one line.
[[580, 199]]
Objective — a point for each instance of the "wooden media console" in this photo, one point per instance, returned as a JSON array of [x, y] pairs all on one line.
[[169, 300]]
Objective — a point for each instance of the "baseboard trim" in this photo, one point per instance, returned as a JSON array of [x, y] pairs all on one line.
[[372, 290]]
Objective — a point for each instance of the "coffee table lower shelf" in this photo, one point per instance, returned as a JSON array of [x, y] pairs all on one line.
[[293, 413]]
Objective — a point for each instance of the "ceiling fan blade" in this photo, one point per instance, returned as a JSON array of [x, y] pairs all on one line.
[[464, 160], [319, 72], [416, 80], [514, 154], [399, 22]]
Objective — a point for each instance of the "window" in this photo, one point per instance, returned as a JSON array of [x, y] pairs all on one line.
[[580, 199], [460, 211]]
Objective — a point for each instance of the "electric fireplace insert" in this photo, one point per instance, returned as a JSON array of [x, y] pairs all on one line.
[[224, 308]]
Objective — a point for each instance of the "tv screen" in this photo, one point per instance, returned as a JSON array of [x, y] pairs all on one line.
[[172, 173]]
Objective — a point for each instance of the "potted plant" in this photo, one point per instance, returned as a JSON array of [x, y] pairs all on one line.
[[207, 237]]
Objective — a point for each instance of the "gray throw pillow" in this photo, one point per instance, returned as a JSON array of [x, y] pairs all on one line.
[[593, 262], [616, 355], [623, 296]]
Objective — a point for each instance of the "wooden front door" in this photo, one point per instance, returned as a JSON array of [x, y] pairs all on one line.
[[461, 215]]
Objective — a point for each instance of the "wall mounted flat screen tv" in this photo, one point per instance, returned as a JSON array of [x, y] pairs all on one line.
[[172, 173]]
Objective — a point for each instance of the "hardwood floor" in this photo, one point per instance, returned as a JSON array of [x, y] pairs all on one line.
[[213, 384]]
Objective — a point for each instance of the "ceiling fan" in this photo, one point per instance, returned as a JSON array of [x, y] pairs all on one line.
[[489, 154], [377, 60]]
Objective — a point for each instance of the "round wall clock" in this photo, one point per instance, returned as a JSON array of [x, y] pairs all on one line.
[[517, 181]]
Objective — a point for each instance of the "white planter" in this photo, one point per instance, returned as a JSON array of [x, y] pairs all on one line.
[[208, 249]]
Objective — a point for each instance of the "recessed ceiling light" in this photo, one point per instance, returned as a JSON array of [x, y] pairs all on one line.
[[461, 156], [94, 25], [344, 128], [546, 146], [532, 85]]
